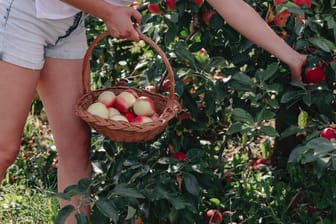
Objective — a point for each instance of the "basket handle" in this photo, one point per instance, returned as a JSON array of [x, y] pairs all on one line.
[[86, 62]]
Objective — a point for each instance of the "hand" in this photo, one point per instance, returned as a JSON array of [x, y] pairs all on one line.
[[119, 22], [296, 67]]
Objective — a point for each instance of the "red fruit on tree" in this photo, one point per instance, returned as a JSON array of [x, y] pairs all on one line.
[[315, 74], [180, 156], [170, 4], [165, 85], [279, 2], [328, 133], [214, 216], [281, 18], [207, 15], [199, 3], [154, 8]]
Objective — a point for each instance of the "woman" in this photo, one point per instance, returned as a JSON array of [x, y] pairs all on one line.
[[42, 44]]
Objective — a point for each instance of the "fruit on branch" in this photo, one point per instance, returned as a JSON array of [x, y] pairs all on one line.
[[180, 156], [207, 15], [170, 4], [154, 8], [281, 18], [315, 74], [144, 106], [213, 216], [199, 3], [328, 133], [98, 109], [106, 97]]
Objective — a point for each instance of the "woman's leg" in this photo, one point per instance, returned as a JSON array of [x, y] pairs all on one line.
[[59, 87], [17, 89]]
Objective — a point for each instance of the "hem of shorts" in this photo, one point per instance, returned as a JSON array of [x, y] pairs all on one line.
[[16, 62]]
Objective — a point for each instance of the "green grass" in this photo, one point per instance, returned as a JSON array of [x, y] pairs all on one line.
[[21, 204]]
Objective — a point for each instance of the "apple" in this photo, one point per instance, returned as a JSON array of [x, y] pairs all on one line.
[[180, 156], [130, 116], [99, 109], [170, 4], [113, 111], [280, 19], [199, 3], [207, 15], [213, 216], [315, 74], [165, 85], [142, 119], [119, 117], [144, 106], [154, 8], [151, 88], [125, 100], [328, 133], [107, 98]]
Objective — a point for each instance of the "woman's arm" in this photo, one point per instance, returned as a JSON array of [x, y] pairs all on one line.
[[243, 18], [117, 18]]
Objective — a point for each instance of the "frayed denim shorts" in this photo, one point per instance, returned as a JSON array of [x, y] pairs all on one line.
[[26, 40]]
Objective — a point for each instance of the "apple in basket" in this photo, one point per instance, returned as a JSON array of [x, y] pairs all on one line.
[[142, 119], [125, 100], [106, 97], [119, 117], [144, 106], [98, 109], [113, 111]]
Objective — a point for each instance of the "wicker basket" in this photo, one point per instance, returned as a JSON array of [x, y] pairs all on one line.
[[167, 106]]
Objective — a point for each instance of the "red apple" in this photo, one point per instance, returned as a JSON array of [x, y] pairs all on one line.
[[125, 100], [113, 111], [144, 106], [170, 4], [180, 156], [165, 85], [151, 88], [142, 119], [315, 74], [98, 109], [213, 216], [328, 133], [207, 15], [130, 116], [281, 18], [199, 3], [154, 8], [107, 98], [119, 117]]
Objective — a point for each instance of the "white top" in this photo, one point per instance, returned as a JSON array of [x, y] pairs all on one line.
[[56, 9]]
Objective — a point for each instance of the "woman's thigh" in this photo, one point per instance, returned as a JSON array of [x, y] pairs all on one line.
[[17, 89], [59, 87]]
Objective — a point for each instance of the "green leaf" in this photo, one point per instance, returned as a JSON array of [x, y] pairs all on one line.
[[191, 184], [291, 130], [243, 79], [242, 115], [264, 75], [126, 191], [81, 218], [107, 208], [235, 128], [130, 212], [302, 119], [265, 115], [323, 44], [269, 131], [63, 214], [291, 95]]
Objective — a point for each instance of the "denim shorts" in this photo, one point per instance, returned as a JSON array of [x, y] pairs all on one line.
[[26, 40]]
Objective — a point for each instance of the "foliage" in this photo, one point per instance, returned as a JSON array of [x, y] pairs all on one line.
[[239, 106]]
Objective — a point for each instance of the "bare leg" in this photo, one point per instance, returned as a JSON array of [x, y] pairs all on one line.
[[17, 86], [59, 87]]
